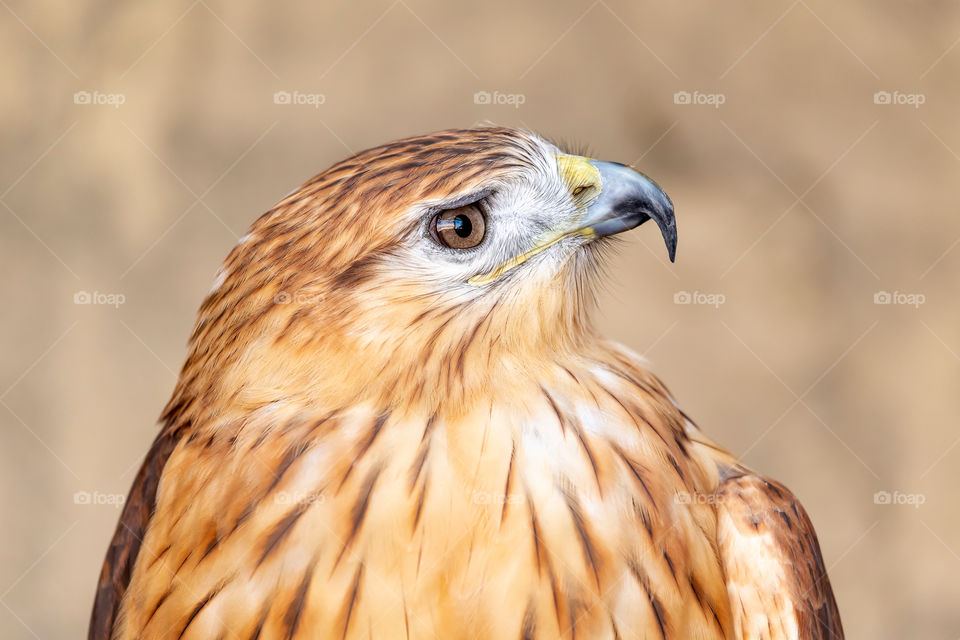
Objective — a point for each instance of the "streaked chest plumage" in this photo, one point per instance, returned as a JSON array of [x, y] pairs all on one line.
[[565, 508]]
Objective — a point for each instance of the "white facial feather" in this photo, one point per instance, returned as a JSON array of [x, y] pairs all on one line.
[[520, 210]]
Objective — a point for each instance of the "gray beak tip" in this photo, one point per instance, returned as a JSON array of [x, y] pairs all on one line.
[[669, 232]]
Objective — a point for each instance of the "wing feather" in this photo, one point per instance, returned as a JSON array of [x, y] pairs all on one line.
[[776, 579], [125, 546]]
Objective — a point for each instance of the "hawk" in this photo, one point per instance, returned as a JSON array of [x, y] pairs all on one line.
[[396, 420]]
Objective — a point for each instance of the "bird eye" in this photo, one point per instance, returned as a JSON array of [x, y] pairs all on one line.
[[460, 228]]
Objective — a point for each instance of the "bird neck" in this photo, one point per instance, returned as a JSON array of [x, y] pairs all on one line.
[[407, 350]]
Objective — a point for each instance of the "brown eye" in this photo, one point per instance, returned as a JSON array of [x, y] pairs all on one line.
[[460, 228]]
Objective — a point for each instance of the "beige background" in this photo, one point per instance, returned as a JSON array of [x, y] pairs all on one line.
[[798, 199]]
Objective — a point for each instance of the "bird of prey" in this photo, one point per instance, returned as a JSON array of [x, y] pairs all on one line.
[[396, 420]]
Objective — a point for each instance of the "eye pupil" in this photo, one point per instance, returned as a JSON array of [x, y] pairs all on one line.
[[462, 226]]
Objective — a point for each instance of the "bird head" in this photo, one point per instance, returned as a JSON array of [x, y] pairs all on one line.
[[426, 268]]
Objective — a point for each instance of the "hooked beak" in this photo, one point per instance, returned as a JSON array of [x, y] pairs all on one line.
[[611, 198], [624, 199]]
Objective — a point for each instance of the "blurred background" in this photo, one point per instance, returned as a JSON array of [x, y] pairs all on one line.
[[809, 323]]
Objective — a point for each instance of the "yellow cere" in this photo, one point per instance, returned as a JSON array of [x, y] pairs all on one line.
[[581, 177], [584, 183]]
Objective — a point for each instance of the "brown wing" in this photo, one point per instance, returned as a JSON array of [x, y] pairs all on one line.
[[122, 554], [776, 580]]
